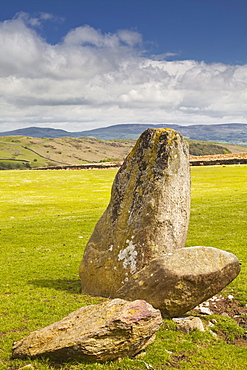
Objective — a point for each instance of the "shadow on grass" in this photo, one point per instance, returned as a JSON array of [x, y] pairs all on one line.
[[71, 286]]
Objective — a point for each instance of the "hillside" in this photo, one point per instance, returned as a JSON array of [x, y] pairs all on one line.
[[232, 133], [27, 152]]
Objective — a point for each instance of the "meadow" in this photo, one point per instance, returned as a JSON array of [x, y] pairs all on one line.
[[46, 218]]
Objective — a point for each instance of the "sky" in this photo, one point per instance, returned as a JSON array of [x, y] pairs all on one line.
[[82, 64]]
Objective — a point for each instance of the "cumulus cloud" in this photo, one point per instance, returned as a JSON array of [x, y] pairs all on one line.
[[93, 79]]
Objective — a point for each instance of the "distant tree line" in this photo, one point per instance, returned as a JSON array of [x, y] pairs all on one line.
[[198, 149]]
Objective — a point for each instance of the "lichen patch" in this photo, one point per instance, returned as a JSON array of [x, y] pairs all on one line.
[[128, 256]]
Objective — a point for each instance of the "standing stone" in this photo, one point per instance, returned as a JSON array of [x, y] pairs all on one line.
[[104, 332], [147, 216]]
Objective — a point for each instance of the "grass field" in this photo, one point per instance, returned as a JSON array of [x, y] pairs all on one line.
[[46, 218]]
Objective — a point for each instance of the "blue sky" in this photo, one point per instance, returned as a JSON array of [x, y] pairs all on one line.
[[80, 64]]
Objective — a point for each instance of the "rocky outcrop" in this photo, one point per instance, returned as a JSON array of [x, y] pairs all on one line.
[[179, 281], [147, 216], [109, 331], [137, 248]]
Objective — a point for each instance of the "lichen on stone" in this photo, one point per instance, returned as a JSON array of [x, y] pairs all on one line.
[[128, 256]]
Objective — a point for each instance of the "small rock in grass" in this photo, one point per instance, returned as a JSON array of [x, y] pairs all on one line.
[[204, 310], [187, 324]]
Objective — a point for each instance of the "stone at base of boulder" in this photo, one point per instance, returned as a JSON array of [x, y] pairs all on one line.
[[112, 330], [188, 324], [179, 281]]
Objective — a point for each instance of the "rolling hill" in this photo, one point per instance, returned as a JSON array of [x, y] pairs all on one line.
[[26, 152], [29, 152], [232, 133]]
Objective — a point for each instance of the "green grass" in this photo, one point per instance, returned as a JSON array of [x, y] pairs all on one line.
[[46, 218], [219, 214]]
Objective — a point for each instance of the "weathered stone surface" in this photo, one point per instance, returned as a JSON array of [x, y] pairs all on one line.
[[188, 324], [179, 281], [147, 216], [112, 330]]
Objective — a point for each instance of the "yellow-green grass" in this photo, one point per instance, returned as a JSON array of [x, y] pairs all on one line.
[[219, 214], [46, 218]]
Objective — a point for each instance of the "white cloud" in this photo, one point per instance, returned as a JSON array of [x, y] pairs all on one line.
[[37, 21], [87, 35], [129, 37], [92, 79]]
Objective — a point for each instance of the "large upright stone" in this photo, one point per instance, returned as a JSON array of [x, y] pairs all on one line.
[[147, 216]]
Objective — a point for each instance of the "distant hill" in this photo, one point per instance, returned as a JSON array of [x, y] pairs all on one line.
[[38, 132], [232, 133]]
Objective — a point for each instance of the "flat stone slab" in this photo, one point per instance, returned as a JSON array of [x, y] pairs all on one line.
[[147, 216], [104, 332], [179, 281]]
